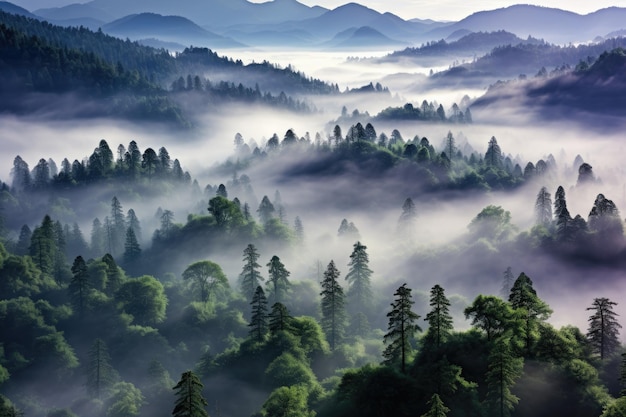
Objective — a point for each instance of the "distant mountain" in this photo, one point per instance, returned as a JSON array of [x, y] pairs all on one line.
[[214, 13], [175, 29], [75, 12], [329, 25], [363, 37], [7, 7], [553, 25], [596, 90], [279, 38], [470, 45]]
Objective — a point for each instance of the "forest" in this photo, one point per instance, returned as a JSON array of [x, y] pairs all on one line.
[[183, 257], [115, 315]]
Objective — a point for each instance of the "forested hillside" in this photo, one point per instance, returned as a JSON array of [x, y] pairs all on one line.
[[106, 321], [46, 69]]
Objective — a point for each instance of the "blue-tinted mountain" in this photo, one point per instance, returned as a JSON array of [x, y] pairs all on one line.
[[553, 25], [7, 7], [472, 44], [167, 28], [74, 12], [363, 37], [214, 13]]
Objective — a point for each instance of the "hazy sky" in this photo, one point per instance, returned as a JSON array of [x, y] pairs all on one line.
[[407, 9]]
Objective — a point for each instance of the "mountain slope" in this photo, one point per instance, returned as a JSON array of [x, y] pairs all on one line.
[[363, 37], [74, 11], [7, 7], [213, 13], [554, 25], [589, 93], [167, 28]]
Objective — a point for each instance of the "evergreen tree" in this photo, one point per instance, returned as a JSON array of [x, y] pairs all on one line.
[[333, 306], [100, 374], [266, 210], [79, 285], [259, 319], [23, 241], [493, 156], [507, 282], [42, 246], [402, 326], [133, 222], [524, 299], [278, 282], [279, 319], [490, 314], [439, 318], [299, 230], [603, 333], [116, 228], [450, 146], [359, 293], [250, 276], [409, 214], [437, 408], [132, 250], [189, 399], [503, 370], [98, 238], [543, 208]]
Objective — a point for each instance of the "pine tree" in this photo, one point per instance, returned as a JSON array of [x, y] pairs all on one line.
[[409, 214], [259, 320], [503, 370], [117, 227], [359, 278], [524, 298], [79, 285], [266, 210], [507, 282], [100, 374], [278, 280], [543, 208], [299, 230], [493, 156], [439, 319], [189, 401], [250, 276], [437, 408], [133, 222], [603, 333], [333, 306], [132, 250], [402, 326], [279, 319]]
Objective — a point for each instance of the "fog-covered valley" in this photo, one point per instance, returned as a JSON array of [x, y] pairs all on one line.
[[431, 166]]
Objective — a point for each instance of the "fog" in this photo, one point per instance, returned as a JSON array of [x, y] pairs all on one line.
[[372, 204]]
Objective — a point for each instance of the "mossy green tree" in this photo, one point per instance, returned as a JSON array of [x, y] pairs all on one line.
[[278, 279], [504, 369]]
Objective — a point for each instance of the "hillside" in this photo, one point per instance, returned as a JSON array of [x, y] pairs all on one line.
[[553, 25], [594, 90], [166, 28], [363, 37]]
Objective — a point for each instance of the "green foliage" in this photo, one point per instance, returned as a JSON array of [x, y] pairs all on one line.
[[616, 408], [490, 314], [493, 223], [125, 401], [287, 401], [144, 299], [101, 376], [250, 277], [439, 318], [603, 327], [333, 306], [286, 370], [259, 317], [359, 294], [189, 399], [204, 278], [278, 279], [437, 408], [504, 370], [20, 277], [401, 328]]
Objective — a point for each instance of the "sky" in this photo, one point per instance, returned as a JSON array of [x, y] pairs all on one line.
[[408, 9]]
